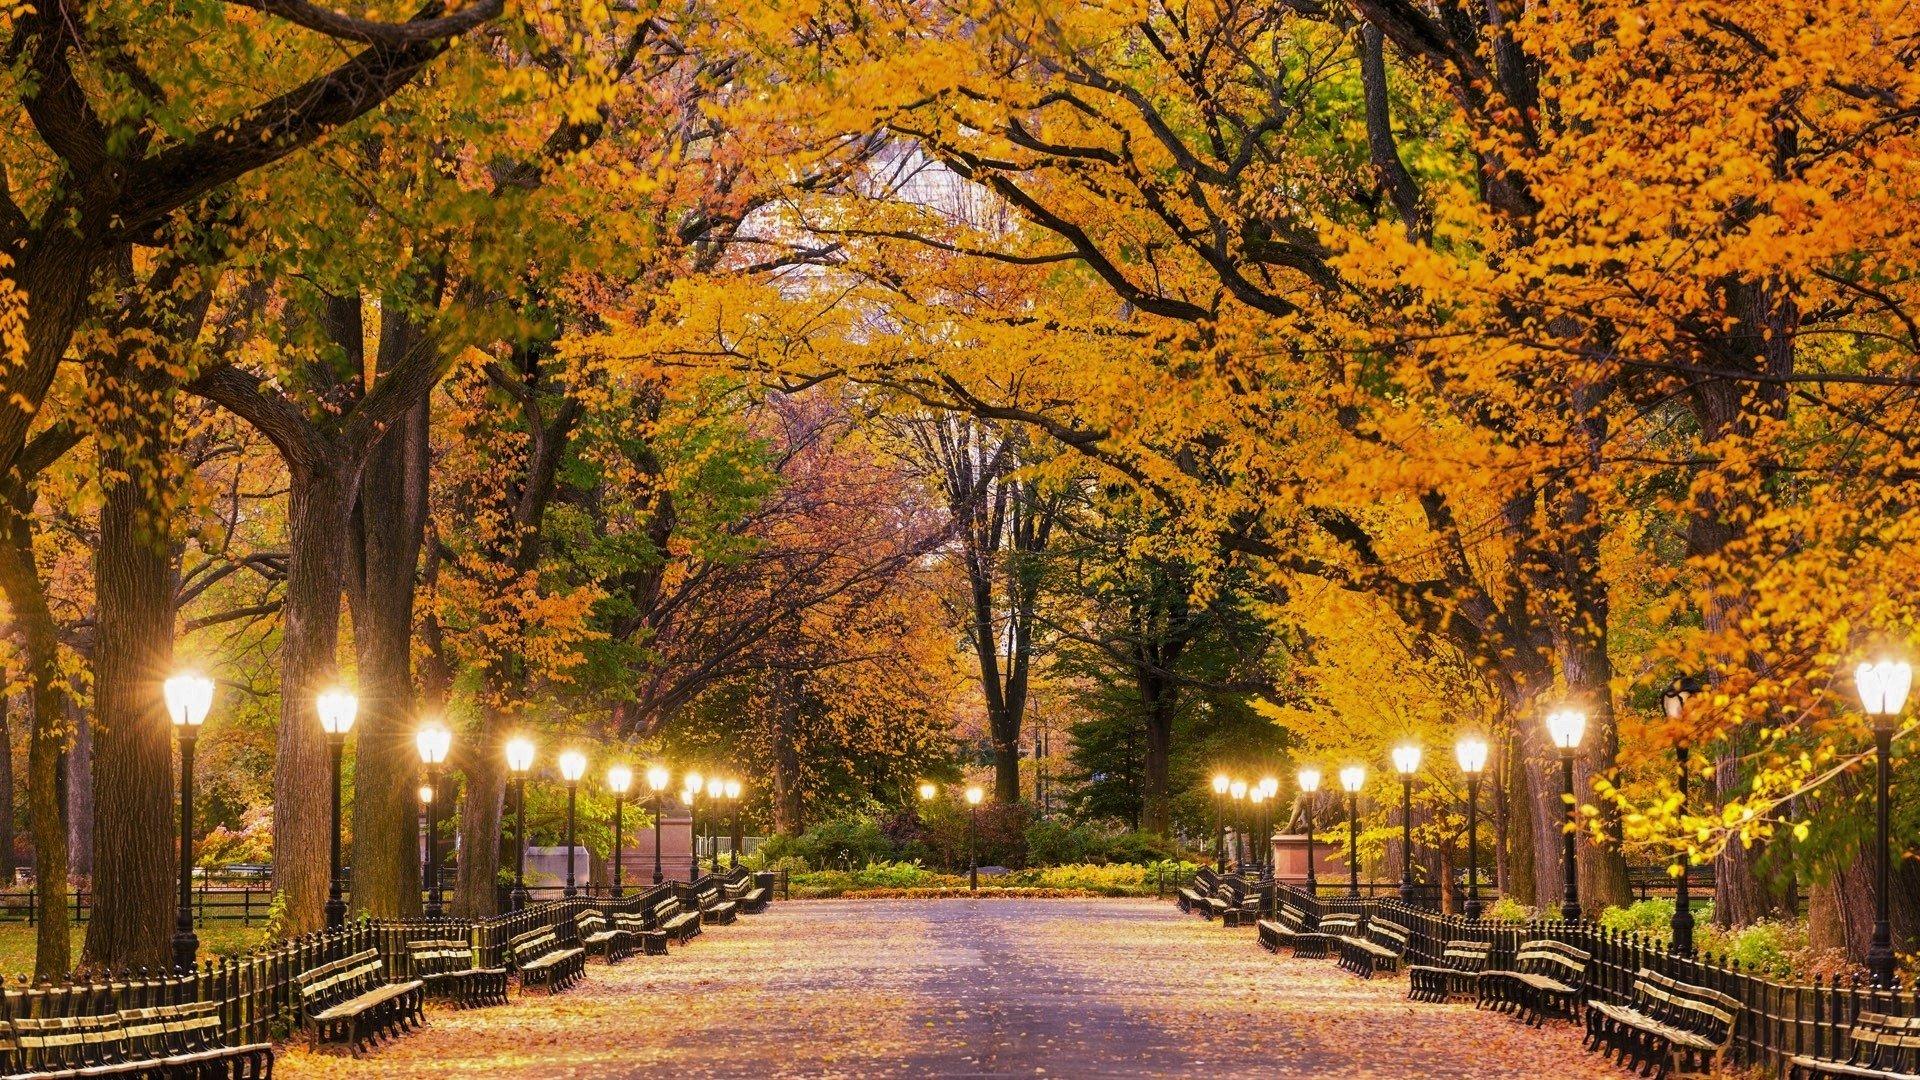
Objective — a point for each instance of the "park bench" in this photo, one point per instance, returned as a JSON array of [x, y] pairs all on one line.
[[446, 967], [184, 1041], [600, 937], [1192, 897], [168, 1041], [668, 915], [1547, 977], [545, 961], [647, 940], [715, 909], [1234, 904], [1665, 1027], [1380, 948], [1284, 929], [1457, 973], [1334, 927], [1881, 1047], [349, 1000], [751, 898]]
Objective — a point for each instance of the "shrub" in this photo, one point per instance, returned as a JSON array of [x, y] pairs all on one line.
[[1507, 909], [838, 842], [1141, 847], [1056, 843], [1767, 945], [1653, 917]]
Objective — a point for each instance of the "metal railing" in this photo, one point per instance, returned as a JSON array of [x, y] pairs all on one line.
[[1777, 1021]]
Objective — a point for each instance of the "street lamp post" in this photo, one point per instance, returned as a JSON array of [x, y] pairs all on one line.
[[426, 825], [519, 760], [1406, 762], [1256, 810], [690, 791], [1352, 779], [1238, 791], [1471, 753], [1270, 786], [619, 779], [1883, 687], [1309, 779], [716, 790], [337, 707], [433, 740], [1674, 703], [733, 842], [189, 698], [573, 766], [1568, 727], [657, 779], [1220, 784], [974, 795]]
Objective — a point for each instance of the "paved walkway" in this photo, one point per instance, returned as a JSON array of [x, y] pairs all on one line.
[[1064, 988]]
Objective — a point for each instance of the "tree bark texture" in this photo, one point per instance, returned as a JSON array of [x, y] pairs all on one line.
[[46, 747], [391, 517]]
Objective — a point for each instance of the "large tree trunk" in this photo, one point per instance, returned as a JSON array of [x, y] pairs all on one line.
[[80, 793], [7, 861], [318, 515], [1726, 409], [1156, 801], [133, 588], [476, 892], [789, 817], [392, 520], [47, 746]]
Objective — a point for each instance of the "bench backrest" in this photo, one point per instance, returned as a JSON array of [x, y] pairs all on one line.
[[1389, 934], [1292, 917], [630, 922], [61, 1042], [340, 979], [533, 944], [160, 1030], [1886, 1043], [439, 956], [1466, 955], [1707, 1013], [663, 909], [1554, 959], [590, 922], [1344, 923]]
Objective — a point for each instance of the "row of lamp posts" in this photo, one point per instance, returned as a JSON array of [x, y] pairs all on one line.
[[189, 698], [1251, 803], [1883, 686], [973, 795]]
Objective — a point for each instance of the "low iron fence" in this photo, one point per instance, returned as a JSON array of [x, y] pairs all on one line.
[[258, 991], [1777, 1021]]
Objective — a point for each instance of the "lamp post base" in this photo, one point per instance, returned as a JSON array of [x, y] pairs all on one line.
[[1570, 912], [1880, 956], [186, 950], [517, 899], [1406, 893], [1473, 909], [1682, 927], [336, 913]]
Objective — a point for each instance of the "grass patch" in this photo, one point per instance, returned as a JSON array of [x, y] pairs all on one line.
[[216, 939]]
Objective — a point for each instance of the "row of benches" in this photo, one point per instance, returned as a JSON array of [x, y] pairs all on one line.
[[159, 1041], [1228, 898], [1664, 1025], [353, 1000]]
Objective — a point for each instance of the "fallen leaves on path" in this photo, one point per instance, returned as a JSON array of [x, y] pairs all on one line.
[[1065, 988]]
